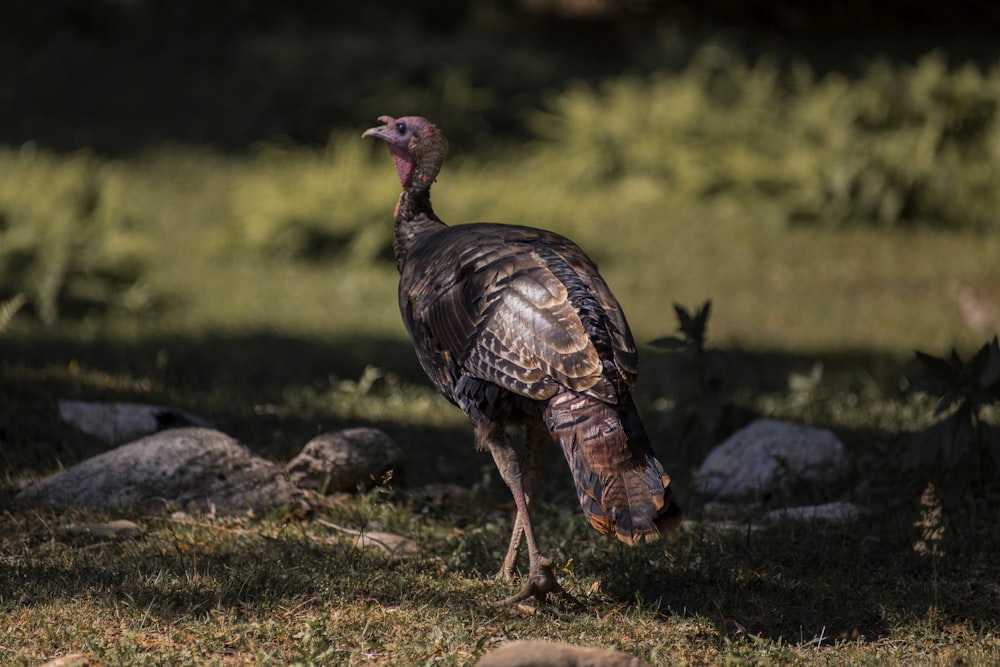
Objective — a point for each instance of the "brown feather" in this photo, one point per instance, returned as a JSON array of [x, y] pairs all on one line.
[[621, 486]]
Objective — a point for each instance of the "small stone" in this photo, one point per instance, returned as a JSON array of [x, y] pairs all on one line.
[[392, 545], [770, 457], [345, 461], [121, 529], [539, 653]]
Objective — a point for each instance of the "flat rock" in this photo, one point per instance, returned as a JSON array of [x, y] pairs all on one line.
[[539, 653], [345, 461], [116, 423], [193, 469], [835, 512], [771, 457]]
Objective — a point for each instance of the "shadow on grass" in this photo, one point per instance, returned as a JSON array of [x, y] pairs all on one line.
[[170, 576], [795, 582], [798, 582], [275, 392], [270, 391]]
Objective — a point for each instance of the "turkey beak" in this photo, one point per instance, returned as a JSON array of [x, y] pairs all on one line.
[[380, 131], [377, 132]]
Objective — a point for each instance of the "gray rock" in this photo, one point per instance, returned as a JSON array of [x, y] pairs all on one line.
[[116, 423], [835, 512], [772, 457], [194, 469], [345, 460], [539, 653]]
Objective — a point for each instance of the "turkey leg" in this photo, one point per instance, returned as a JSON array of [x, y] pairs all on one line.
[[541, 581], [536, 437]]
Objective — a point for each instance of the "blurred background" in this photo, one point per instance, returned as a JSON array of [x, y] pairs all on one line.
[[189, 216], [121, 76]]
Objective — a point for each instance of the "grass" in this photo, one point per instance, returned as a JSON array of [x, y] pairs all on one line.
[[279, 592], [256, 288]]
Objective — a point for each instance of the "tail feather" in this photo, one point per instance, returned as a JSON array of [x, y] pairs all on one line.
[[622, 487]]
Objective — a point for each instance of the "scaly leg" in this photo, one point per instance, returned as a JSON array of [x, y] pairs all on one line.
[[536, 437], [541, 581], [506, 572]]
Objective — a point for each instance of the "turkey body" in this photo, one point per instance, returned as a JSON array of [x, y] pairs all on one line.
[[504, 316], [515, 326]]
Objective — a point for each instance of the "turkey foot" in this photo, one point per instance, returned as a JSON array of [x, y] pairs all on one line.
[[541, 582]]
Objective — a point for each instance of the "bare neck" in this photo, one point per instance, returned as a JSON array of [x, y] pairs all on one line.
[[414, 218]]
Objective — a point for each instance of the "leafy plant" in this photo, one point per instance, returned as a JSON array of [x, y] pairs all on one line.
[[963, 441], [698, 380], [898, 146]]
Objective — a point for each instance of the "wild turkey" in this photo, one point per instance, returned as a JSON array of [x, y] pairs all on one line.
[[516, 327]]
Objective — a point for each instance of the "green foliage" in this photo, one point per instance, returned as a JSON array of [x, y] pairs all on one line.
[[899, 146], [300, 205], [696, 171], [963, 441], [918, 144], [60, 219]]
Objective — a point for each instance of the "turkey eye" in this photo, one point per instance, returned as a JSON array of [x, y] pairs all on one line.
[[401, 128]]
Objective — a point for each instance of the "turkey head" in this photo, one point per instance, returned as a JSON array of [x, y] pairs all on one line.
[[417, 147]]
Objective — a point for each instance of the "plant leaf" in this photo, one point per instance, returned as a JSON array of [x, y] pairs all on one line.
[[683, 318], [940, 369], [701, 319]]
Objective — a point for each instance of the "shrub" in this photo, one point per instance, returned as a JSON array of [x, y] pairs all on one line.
[[900, 145], [58, 219], [298, 204]]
